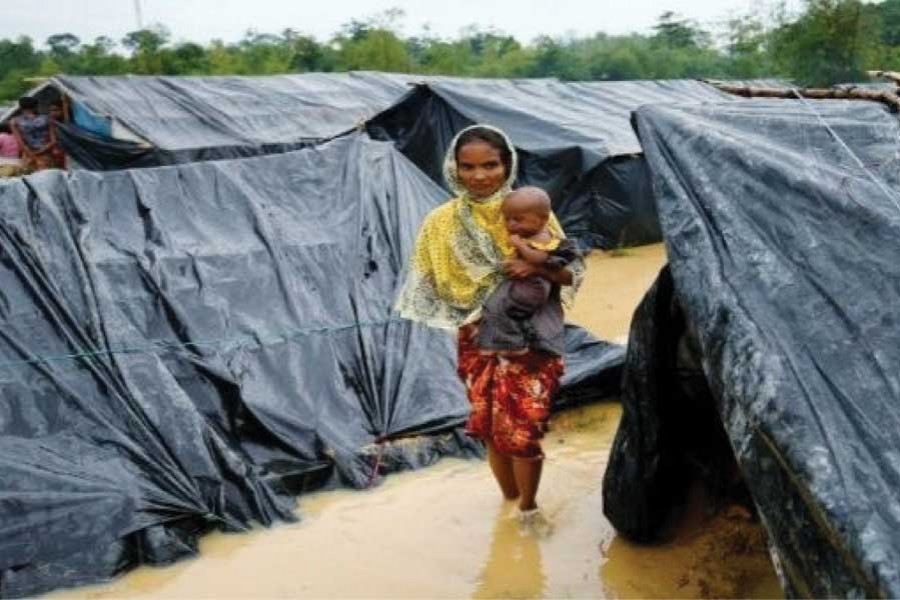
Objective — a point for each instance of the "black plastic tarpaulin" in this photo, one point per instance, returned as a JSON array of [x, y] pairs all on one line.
[[88, 150], [574, 140], [176, 113], [187, 347], [782, 225], [199, 118], [96, 152]]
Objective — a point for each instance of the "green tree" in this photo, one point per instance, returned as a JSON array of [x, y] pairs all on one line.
[[18, 55], [146, 46], [833, 41], [436, 56], [98, 58], [263, 54], [674, 32], [827, 41], [553, 58], [222, 59], [377, 50], [372, 44], [186, 59], [306, 53], [618, 58], [888, 13], [746, 48], [18, 61], [63, 46]]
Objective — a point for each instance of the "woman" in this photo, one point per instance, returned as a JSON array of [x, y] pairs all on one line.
[[462, 253], [36, 135]]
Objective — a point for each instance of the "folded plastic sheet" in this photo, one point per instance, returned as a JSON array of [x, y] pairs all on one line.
[[782, 226], [95, 152], [98, 152], [188, 347], [88, 121], [574, 139]]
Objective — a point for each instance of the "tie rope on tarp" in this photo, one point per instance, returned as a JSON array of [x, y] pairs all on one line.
[[159, 347], [875, 179]]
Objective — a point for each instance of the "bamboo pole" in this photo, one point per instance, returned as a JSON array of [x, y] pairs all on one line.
[[851, 93], [889, 75], [67, 109]]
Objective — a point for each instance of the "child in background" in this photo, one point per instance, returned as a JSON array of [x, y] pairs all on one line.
[[36, 135], [58, 115], [56, 112]]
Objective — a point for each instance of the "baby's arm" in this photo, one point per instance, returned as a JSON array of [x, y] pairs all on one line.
[[527, 253], [554, 269]]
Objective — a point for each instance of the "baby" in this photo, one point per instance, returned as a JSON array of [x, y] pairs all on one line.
[[526, 314]]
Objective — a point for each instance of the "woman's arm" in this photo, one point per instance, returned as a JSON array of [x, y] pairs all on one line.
[[562, 276], [517, 268]]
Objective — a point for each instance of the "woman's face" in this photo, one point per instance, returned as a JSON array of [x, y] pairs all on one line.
[[480, 169]]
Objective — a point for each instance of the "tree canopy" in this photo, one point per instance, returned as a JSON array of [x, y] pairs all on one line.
[[828, 41]]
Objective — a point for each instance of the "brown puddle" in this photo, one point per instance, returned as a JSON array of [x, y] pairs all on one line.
[[444, 532], [612, 289]]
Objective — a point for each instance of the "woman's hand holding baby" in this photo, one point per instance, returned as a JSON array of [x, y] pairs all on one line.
[[516, 268]]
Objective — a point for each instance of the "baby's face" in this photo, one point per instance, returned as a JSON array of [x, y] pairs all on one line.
[[524, 222]]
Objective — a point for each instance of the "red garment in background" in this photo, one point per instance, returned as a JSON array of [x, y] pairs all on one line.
[[9, 147]]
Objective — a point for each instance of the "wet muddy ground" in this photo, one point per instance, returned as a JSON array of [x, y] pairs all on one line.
[[444, 532]]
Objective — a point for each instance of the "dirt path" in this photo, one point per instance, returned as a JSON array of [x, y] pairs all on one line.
[[444, 532]]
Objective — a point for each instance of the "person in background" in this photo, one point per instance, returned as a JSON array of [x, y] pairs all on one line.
[[36, 135], [56, 112], [10, 165], [58, 115], [9, 147]]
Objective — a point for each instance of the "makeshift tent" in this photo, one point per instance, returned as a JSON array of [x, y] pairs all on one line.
[[782, 225], [575, 141], [574, 137], [119, 122], [186, 347], [126, 122]]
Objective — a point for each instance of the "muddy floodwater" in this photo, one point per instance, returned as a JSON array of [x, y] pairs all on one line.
[[444, 532]]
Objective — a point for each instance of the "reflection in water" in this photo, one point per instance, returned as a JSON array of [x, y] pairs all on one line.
[[444, 533], [513, 568]]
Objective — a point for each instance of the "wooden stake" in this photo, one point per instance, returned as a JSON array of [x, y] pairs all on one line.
[[67, 117], [889, 75], [851, 93]]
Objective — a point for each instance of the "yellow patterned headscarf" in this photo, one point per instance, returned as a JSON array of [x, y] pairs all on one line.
[[460, 252]]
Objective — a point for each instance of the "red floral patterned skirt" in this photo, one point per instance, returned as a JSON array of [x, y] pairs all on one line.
[[510, 395]]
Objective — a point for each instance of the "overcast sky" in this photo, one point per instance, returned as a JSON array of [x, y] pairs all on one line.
[[203, 20]]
